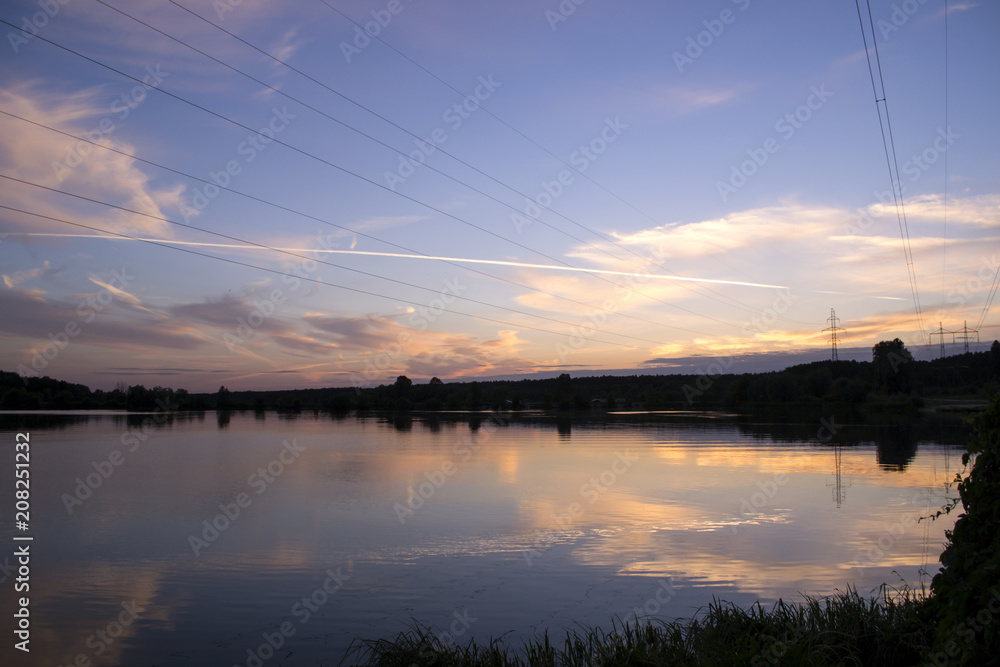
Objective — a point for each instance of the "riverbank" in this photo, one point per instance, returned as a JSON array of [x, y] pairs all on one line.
[[893, 380], [955, 623], [844, 629]]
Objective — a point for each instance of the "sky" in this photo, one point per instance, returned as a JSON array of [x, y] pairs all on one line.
[[269, 195]]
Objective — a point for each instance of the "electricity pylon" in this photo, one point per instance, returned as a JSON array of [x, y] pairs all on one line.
[[833, 329], [966, 335]]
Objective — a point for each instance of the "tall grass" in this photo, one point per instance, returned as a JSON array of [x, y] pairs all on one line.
[[844, 629], [954, 624]]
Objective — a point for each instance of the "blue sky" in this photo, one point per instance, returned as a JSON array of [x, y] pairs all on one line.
[[727, 155]]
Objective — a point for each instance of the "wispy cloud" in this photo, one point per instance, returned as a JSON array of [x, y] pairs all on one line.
[[40, 156], [19, 277], [680, 100]]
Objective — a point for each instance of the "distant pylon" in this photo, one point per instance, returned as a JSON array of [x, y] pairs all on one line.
[[967, 335], [941, 332], [833, 329]]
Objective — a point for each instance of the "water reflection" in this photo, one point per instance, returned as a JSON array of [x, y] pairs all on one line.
[[429, 514], [564, 425]]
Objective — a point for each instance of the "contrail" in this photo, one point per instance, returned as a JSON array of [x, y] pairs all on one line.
[[891, 298], [467, 260]]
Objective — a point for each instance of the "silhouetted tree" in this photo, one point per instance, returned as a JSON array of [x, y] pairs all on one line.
[[223, 400], [891, 364], [403, 385]]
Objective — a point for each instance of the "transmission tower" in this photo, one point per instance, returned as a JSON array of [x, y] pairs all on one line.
[[837, 487], [942, 332], [833, 329], [966, 335]]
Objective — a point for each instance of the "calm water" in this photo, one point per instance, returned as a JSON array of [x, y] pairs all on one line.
[[359, 526]]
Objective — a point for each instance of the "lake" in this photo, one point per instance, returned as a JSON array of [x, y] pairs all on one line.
[[212, 539]]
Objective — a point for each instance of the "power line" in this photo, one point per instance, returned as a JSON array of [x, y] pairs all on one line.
[[374, 113], [887, 142], [307, 279], [545, 150], [289, 253], [341, 227], [989, 299], [697, 290], [533, 142], [944, 239], [354, 129], [360, 177], [494, 116]]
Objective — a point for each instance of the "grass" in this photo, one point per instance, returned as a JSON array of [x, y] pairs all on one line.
[[951, 624], [844, 629]]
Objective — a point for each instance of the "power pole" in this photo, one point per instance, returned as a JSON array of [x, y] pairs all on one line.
[[941, 332], [839, 491], [833, 329], [966, 335]]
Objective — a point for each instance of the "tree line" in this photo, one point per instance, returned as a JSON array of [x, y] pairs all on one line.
[[891, 375]]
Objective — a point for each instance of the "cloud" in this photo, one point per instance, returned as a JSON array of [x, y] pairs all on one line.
[[15, 279], [681, 100], [37, 155], [979, 211], [356, 334], [286, 46], [100, 323], [844, 252]]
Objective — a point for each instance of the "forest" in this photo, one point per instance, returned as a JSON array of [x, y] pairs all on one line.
[[892, 376]]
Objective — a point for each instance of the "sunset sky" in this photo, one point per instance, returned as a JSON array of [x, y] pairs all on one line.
[[587, 186]]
